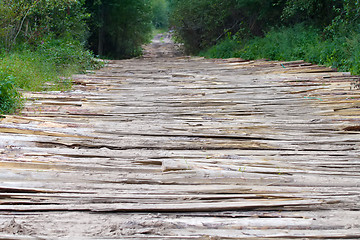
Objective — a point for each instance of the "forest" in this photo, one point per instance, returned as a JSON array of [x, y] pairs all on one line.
[[324, 32], [44, 42]]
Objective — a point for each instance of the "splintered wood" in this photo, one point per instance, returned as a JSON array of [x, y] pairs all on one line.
[[186, 148]]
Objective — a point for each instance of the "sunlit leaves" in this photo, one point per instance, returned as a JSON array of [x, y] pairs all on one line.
[[30, 20]]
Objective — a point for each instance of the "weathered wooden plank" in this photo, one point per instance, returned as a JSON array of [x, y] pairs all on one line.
[[244, 149], [175, 207]]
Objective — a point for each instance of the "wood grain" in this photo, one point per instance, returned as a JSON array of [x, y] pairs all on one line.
[[185, 148]]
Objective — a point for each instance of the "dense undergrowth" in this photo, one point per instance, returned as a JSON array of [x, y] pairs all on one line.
[[10, 98], [298, 42], [325, 32], [44, 42], [48, 67]]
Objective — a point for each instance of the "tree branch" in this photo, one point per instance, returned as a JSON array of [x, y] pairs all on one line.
[[22, 21]]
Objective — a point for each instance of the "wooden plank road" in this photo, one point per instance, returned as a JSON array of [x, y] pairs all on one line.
[[185, 148]]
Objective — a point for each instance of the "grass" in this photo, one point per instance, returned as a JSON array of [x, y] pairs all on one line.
[[295, 43], [46, 68], [31, 72]]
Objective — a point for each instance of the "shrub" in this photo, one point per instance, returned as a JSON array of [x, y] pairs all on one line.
[[40, 41], [200, 24], [9, 97], [31, 21], [294, 43], [282, 44], [227, 48], [68, 55]]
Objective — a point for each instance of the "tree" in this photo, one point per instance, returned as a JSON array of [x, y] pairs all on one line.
[[119, 28], [30, 21], [202, 23], [160, 13], [314, 12]]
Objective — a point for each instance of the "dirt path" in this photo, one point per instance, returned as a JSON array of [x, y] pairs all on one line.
[[185, 148]]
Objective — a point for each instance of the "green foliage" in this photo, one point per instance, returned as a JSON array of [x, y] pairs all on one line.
[[31, 20], [67, 55], [40, 40], [227, 48], [38, 70], [202, 23], [347, 19], [299, 42], [199, 23], [119, 28], [160, 13], [62, 19], [31, 71], [325, 32], [282, 44], [9, 97], [315, 12]]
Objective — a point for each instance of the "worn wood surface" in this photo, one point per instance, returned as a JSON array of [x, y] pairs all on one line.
[[185, 148]]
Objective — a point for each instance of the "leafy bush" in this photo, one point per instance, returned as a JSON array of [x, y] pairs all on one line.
[[30, 21], [200, 24], [290, 43], [299, 42], [227, 48], [68, 55], [40, 69], [40, 41], [9, 98], [314, 12]]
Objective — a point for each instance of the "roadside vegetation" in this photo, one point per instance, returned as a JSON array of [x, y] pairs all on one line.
[[319, 31], [44, 42], [160, 19]]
